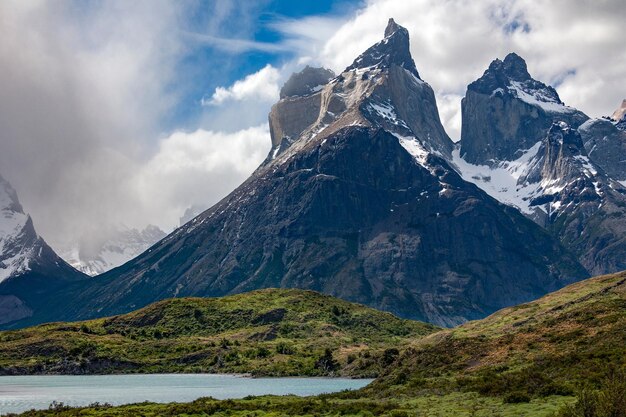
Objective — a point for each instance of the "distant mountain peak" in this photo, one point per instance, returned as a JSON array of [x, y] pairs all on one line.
[[118, 245], [8, 197], [17, 234], [393, 49], [506, 111]]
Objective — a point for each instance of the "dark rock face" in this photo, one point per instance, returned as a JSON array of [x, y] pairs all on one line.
[[354, 216], [506, 111], [585, 207], [606, 145]]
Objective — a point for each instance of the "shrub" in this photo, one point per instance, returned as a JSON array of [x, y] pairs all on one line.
[[516, 397], [608, 401]]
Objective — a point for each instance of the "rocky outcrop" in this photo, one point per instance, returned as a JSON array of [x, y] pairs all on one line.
[[506, 112], [586, 208], [558, 186], [306, 82], [298, 108], [606, 145], [380, 88]]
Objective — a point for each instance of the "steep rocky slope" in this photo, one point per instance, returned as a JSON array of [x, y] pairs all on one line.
[[606, 146]]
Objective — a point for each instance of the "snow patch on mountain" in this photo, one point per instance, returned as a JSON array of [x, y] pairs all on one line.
[[539, 97], [501, 181], [414, 148]]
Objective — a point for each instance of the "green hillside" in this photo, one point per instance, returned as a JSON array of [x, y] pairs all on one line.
[[268, 332], [528, 360], [547, 347]]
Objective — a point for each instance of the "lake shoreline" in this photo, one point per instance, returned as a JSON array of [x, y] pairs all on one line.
[[20, 393]]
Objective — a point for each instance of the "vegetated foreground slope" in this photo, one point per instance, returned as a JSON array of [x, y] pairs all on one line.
[[525, 360], [546, 347], [265, 332]]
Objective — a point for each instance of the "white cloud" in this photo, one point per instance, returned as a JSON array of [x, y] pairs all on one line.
[[261, 85], [197, 168], [454, 41]]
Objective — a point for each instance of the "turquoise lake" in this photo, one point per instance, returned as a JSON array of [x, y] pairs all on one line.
[[22, 393]]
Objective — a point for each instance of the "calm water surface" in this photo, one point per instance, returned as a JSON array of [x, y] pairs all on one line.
[[21, 393]]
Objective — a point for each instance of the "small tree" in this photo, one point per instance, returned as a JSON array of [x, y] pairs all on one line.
[[326, 363]]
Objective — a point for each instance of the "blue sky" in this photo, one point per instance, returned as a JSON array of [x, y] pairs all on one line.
[[208, 66]]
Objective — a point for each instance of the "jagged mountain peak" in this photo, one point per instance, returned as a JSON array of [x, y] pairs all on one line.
[[393, 27], [380, 89], [17, 234], [393, 49], [506, 112], [511, 77], [515, 67]]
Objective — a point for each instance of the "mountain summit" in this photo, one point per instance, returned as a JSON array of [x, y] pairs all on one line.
[[356, 200], [392, 50], [506, 111]]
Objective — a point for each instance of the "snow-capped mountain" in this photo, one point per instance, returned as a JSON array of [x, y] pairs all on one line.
[[506, 112], [18, 241], [30, 272], [527, 154], [606, 146], [356, 199], [117, 247]]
